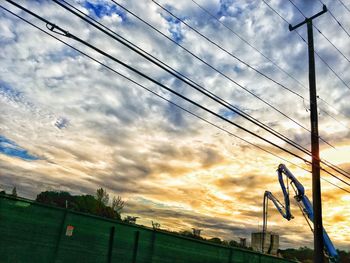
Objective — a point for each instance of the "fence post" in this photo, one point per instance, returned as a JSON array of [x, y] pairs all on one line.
[[230, 256], [61, 231], [153, 245], [110, 244], [136, 246]]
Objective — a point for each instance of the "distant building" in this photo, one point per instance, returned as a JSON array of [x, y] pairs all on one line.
[[271, 242], [196, 232], [243, 242]]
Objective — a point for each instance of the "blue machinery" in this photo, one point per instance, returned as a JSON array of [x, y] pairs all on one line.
[[303, 203]]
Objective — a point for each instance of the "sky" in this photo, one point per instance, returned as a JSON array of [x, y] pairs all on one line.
[[71, 124]]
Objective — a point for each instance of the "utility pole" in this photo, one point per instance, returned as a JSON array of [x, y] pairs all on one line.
[[316, 184]]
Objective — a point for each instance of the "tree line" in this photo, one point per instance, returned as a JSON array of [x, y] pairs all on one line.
[[99, 205]]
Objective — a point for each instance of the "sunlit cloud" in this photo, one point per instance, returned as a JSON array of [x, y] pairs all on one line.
[[69, 124]]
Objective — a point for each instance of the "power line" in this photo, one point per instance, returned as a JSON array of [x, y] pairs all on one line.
[[249, 44], [215, 69], [317, 54], [328, 164], [270, 60], [305, 42], [58, 30], [225, 50], [341, 123], [341, 188], [331, 43], [330, 115], [340, 1], [65, 33], [297, 8], [320, 32], [167, 100], [274, 10], [332, 15], [191, 84], [240, 37]]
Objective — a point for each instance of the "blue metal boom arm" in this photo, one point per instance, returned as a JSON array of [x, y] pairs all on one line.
[[306, 205]]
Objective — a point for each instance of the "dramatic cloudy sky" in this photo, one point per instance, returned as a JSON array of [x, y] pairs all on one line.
[[68, 123]]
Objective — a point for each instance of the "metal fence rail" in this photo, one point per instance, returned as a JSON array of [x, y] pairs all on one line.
[[33, 232]]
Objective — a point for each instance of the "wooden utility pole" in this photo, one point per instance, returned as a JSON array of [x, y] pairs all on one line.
[[316, 184]]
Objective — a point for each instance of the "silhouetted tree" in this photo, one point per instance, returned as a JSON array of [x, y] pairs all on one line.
[[86, 204], [102, 196], [56, 198], [155, 225], [117, 204]]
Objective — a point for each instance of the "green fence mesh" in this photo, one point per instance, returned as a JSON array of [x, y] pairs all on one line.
[[32, 232]]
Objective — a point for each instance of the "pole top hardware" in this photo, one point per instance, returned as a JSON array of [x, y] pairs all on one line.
[[308, 19]]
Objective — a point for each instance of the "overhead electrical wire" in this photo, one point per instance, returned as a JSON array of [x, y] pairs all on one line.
[[229, 53], [324, 37], [192, 84], [224, 50], [65, 33], [158, 31], [296, 7], [221, 73], [165, 99], [315, 51], [248, 43], [215, 98], [329, 42], [336, 20], [319, 31], [262, 54], [341, 123], [58, 30], [330, 115], [305, 42], [199, 88], [165, 9], [342, 3]]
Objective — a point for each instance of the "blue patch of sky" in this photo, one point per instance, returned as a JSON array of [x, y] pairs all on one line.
[[174, 26], [100, 10], [63, 54], [228, 114], [9, 92], [12, 94], [237, 69], [10, 148], [226, 11], [175, 116], [61, 123]]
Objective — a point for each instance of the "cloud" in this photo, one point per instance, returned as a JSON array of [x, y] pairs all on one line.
[[91, 128]]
